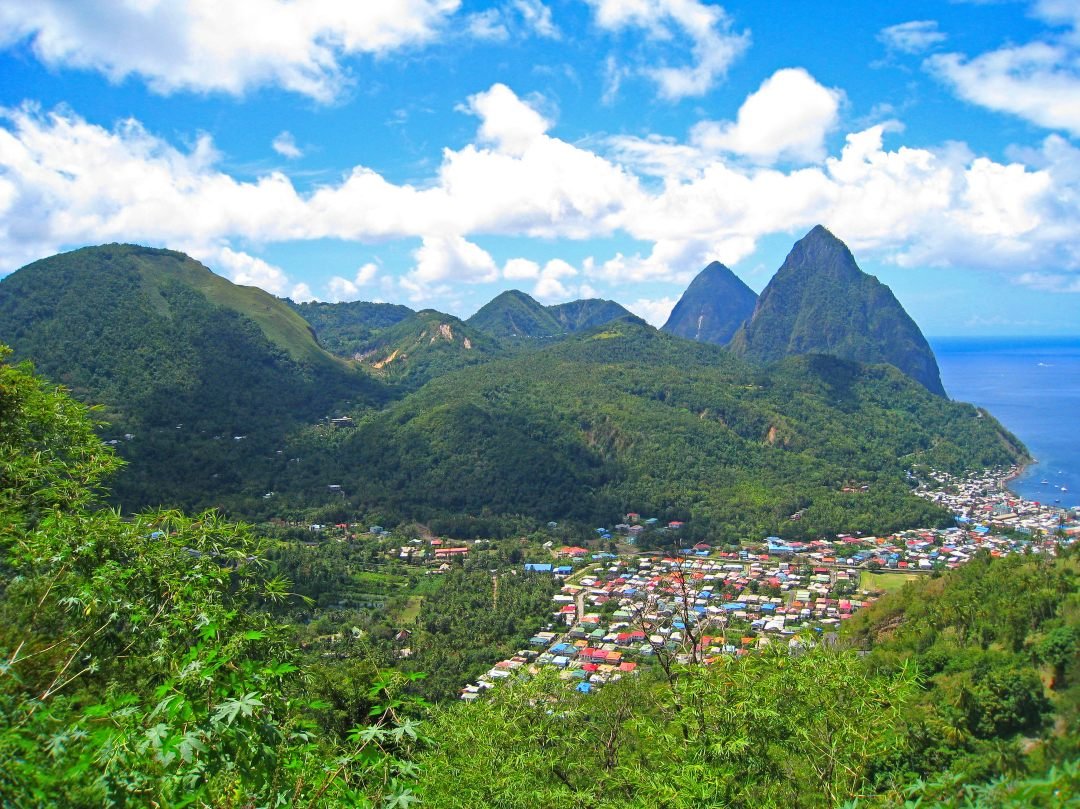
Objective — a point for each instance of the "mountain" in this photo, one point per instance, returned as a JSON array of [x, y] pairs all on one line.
[[819, 301], [219, 396], [424, 345], [626, 418], [514, 314], [713, 307], [346, 328], [585, 314], [206, 375]]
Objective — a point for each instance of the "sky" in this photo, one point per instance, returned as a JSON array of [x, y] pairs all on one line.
[[436, 152]]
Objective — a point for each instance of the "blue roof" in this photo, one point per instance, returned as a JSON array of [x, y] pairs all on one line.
[[584, 688], [538, 567], [731, 606], [768, 607]]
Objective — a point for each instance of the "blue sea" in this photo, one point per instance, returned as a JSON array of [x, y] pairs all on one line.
[[1032, 386]]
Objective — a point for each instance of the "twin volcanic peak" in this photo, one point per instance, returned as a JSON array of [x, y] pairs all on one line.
[[820, 302], [713, 307]]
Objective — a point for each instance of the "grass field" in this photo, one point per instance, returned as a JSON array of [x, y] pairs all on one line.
[[411, 611], [886, 582]]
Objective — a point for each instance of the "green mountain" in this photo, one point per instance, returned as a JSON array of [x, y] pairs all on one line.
[[819, 301], [424, 345], [452, 426], [713, 307], [626, 418], [206, 375], [347, 328], [514, 314], [586, 314]]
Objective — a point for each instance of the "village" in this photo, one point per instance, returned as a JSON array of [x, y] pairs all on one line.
[[615, 613]]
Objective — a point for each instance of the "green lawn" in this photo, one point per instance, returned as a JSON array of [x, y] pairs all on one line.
[[886, 582]]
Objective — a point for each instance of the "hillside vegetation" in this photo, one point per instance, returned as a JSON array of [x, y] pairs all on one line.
[[141, 667], [626, 418], [220, 396], [183, 360]]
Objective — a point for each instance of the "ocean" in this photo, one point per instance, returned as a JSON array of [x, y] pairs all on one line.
[[1032, 386]]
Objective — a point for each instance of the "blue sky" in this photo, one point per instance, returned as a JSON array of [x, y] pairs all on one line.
[[436, 152]]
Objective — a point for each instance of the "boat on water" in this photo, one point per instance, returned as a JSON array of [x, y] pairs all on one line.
[[1044, 482]]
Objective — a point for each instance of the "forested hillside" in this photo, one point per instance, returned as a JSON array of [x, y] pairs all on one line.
[[626, 418], [201, 379], [141, 667], [220, 396], [347, 328]]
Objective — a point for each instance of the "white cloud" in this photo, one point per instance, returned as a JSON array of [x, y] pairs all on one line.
[[1060, 12], [248, 270], [916, 36], [517, 269], [788, 116], [1039, 82], [452, 258], [285, 145], [654, 311], [220, 46], [507, 121], [550, 286], [1050, 282], [344, 289], [537, 17], [487, 24], [65, 182], [713, 45]]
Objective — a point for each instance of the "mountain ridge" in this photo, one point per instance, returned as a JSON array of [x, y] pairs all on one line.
[[515, 314]]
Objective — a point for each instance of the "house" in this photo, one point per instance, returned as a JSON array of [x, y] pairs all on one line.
[[538, 567]]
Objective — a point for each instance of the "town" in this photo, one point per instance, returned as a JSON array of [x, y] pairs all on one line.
[[616, 612]]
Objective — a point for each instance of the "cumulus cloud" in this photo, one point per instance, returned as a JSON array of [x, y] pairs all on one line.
[[218, 46], [345, 289], [654, 311], [506, 121], [916, 36], [517, 269], [285, 145], [787, 117], [247, 270], [441, 259], [65, 182], [550, 285], [707, 29]]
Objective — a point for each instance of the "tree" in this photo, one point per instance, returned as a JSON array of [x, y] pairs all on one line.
[[137, 666]]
